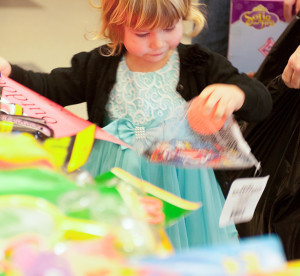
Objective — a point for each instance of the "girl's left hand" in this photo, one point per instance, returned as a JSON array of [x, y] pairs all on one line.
[[227, 97], [5, 67]]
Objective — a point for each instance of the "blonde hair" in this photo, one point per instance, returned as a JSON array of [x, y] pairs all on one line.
[[144, 14]]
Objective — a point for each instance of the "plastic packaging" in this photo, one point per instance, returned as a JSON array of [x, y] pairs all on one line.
[[175, 142]]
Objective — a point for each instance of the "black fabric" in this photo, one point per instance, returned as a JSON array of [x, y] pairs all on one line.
[[275, 62], [275, 142]]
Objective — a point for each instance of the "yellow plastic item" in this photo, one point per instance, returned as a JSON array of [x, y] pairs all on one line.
[[83, 144], [22, 150]]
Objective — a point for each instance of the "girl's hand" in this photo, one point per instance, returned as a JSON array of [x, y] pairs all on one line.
[[227, 97], [5, 67], [291, 73]]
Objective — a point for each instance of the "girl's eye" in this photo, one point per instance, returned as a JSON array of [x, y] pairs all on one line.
[[169, 29], [141, 34]]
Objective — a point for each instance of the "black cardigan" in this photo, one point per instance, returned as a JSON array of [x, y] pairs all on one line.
[[91, 77]]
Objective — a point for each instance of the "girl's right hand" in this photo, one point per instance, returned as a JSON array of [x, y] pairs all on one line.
[[5, 67]]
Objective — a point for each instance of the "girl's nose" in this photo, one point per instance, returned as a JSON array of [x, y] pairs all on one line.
[[156, 41]]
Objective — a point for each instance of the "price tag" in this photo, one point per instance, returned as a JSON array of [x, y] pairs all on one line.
[[242, 200]]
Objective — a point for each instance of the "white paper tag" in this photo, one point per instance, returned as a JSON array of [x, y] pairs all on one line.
[[242, 200]]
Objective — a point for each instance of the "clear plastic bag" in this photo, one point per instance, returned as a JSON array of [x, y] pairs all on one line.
[[174, 142]]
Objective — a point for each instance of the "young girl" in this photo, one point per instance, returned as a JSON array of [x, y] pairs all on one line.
[[135, 82]]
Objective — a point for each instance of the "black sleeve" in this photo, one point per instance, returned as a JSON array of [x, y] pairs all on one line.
[[258, 101], [64, 86]]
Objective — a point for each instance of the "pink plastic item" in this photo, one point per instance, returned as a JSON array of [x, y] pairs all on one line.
[[200, 122]]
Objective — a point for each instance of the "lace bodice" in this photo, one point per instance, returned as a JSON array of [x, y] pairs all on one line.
[[144, 98]]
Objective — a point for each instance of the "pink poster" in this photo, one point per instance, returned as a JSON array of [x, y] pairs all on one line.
[[63, 122]]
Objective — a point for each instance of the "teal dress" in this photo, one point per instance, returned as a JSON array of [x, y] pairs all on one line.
[[138, 103]]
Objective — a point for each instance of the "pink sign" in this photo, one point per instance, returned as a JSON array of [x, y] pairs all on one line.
[[63, 122]]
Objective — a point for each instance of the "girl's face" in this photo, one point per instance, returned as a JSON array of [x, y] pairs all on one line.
[[152, 46]]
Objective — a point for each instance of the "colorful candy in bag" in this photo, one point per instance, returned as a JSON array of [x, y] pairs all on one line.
[[189, 138]]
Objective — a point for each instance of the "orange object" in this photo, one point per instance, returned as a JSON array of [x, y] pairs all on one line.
[[200, 122], [153, 207]]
